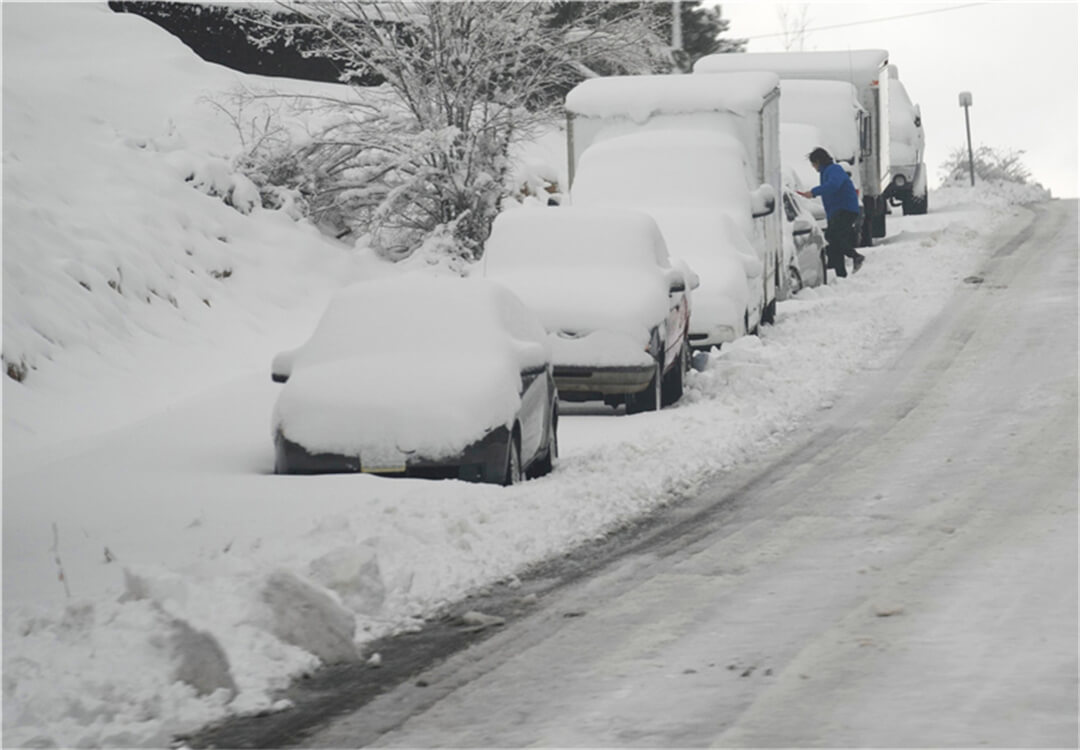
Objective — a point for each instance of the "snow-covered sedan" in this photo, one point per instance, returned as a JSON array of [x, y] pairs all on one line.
[[804, 246], [420, 376], [616, 306]]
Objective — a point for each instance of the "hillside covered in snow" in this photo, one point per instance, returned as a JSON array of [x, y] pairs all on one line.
[[152, 563]]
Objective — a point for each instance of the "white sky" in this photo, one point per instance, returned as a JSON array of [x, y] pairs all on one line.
[[1018, 60]]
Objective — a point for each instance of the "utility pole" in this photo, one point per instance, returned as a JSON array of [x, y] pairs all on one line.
[[965, 102], [676, 34]]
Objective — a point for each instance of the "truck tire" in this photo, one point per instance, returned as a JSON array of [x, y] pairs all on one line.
[[866, 238], [916, 205]]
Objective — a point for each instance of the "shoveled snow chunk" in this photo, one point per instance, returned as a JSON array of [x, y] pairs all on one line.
[[309, 618], [201, 661]]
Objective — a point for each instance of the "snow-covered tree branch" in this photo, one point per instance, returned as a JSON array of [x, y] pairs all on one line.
[[464, 82]]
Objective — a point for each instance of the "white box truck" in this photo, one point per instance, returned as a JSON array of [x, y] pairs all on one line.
[[867, 71], [907, 149], [702, 156]]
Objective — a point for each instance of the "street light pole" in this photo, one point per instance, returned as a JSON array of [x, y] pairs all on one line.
[[965, 102]]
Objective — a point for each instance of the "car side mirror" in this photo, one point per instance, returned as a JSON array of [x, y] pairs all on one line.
[[801, 226], [763, 201], [682, 276], [281, 367]]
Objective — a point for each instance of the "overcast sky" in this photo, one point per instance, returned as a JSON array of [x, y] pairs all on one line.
[[1018, 60]]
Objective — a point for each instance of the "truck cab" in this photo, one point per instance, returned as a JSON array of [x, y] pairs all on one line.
[[907, 149]]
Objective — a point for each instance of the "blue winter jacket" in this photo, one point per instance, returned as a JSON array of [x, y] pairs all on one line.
[[837, 191]]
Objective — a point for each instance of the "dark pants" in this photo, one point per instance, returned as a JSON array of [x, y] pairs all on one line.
[[842, 234]]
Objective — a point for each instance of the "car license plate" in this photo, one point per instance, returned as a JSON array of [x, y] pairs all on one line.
[[382, 460]]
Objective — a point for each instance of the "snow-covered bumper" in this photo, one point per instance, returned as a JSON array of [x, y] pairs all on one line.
[[601, 364], [481, 461]]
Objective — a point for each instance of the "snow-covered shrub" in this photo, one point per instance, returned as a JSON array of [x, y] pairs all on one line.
[[991, 165], [464, 83]]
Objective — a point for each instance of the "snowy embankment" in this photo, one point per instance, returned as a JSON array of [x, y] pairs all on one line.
[[156, 574]]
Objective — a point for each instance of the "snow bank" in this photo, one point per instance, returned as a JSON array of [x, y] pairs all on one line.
[[125, 227], [137, 463]]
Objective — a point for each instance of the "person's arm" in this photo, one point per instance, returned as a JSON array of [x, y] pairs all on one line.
[[833, 181]]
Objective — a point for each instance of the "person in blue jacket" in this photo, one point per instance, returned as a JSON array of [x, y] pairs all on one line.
[[841, 211]]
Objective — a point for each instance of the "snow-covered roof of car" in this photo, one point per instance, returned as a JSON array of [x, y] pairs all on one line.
[[570, 236], [860, 66], [641, 97]]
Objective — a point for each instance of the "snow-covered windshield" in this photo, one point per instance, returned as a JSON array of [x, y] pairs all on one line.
[[444, 316], [665, 169]]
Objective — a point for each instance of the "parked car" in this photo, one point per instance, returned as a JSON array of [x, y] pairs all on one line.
[[603, 285], [420, 376], [804, 246]]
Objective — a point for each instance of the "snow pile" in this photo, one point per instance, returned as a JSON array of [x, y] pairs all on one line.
[[156, 574], [1000, 194]]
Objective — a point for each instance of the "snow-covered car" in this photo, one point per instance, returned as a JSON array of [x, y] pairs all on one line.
[[804, 246], [616, 306], [419, 376], [696, 185]]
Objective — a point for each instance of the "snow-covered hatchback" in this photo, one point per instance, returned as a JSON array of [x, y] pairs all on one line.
[[419, 376], [616, 306]]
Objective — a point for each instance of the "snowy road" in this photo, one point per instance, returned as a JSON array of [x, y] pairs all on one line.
[[906, 575]]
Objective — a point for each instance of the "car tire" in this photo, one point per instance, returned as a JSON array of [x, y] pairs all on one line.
[[651, 398], [768, 315], [513, 473], [545, 462], [794, 281], [824, 269], [672, 389]]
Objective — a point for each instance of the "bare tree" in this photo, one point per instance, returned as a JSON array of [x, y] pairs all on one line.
[[794, 21], [426, 155]]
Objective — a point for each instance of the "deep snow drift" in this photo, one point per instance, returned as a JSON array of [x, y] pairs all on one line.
[[153, 566]]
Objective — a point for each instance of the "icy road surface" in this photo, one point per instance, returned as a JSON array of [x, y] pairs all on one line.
[[905, 576]]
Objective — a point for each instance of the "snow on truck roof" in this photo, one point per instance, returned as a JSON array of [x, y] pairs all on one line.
[[860, 66], [641, 97]]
